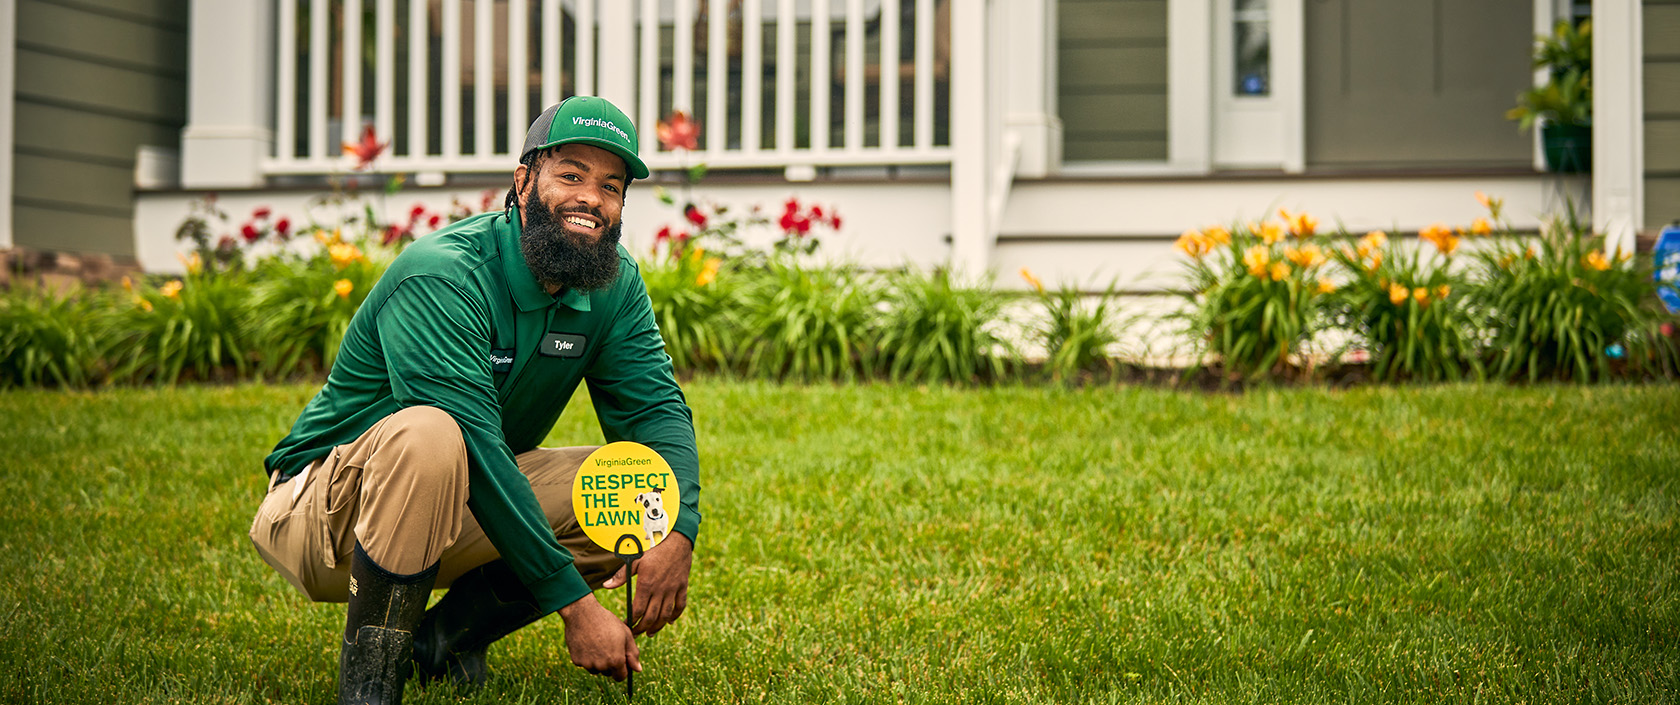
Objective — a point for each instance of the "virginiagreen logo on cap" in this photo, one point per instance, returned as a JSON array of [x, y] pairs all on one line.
[[587, 120]]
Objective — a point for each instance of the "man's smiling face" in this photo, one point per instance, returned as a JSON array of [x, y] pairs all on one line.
[[571, 205]]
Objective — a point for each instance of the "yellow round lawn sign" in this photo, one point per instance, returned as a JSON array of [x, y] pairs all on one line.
[[625, 497]]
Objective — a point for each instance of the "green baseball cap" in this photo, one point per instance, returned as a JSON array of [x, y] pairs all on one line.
[[583, 119]]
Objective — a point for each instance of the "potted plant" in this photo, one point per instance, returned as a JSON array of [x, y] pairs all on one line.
[[1563, 104]]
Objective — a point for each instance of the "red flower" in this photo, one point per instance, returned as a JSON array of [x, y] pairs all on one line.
[[816, 212], [416, 211], [393, 234], [1667, 329], [695, 216], [435, 220], [663, 235], [260, 213], [283, 227], [834, 221], [250, 232], [366, 150], [679, 132]]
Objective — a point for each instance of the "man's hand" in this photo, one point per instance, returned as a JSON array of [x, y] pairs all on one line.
[[663, 594], [598, 642]]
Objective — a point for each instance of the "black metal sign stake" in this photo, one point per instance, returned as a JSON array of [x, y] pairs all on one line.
[[629, 602]]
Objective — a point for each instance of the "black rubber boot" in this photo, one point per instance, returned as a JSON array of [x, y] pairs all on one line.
[[483, 605], [379, 631]]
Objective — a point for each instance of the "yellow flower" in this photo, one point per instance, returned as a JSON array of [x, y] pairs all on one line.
[[708, 271], [1192, 243], [1441, 237], [343, 254], [1442, 291], [1506, 261], [1218, 235], [1306, 257], [194, 263], [1530, 253], [172, 289], [1325, 286], [1622, 256], [128, 284], [1270, 232], [1374, 260], [1256, 258], [1300, 225], [1397, 294], [1280, 271], [1372, 242], [1492, 204], [343, 287], [1596, 260], [326, 238], [1036, 284], [144, 305], [1481, 226], [1421, 294]]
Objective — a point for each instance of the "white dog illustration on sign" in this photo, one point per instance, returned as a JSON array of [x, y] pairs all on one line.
[[654, 520]]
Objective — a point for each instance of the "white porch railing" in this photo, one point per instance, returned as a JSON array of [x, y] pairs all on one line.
[[830, 89]]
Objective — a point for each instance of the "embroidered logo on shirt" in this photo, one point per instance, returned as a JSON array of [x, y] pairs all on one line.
[[568, 345], [501, 360]]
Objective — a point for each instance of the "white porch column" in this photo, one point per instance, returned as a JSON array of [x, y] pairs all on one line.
[[8, 70], [1618, 124], [1190, 84], [616, 68], [230, 62], [1029, 74], [971, 155]]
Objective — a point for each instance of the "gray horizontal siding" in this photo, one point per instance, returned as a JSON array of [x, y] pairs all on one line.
[[96, 79], [1112, 93], [1662, 111]]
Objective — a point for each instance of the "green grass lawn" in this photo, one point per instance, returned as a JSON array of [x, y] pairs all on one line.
[[903, 544]]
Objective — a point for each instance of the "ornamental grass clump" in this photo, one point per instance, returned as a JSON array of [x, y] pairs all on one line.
[[1407, 306], [1560, 308], [939, 329], [50, 339], [808, 322], [302, 306], [694, 298], [1256, 293], [198, 325], [1076, 334]]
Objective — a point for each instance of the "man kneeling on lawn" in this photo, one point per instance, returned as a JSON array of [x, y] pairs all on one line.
[[417, 466]]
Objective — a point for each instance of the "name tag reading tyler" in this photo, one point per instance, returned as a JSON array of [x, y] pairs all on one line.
[[563, 345]]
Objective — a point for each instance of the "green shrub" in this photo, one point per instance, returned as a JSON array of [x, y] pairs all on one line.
[[808, 323], [939, 330], [1255, 296], [694, 298], [199, 324], [53, 339], [1560, 308], [1409, 307], [302, 308], [1076, 337]]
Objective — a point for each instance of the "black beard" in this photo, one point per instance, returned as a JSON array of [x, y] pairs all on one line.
[[556, 256]]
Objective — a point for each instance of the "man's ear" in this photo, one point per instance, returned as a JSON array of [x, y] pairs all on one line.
[[520, 174]]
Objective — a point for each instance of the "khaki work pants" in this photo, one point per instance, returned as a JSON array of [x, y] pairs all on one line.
[[401, 491]]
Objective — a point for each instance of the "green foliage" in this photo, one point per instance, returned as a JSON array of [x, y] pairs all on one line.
[[1566, 97], [1076, 334], [1409, 308], [693, 298], [49, 339], [299, 314], [1560, 308], [198, 325], [809, 323], [939, 330], [1250, 304]]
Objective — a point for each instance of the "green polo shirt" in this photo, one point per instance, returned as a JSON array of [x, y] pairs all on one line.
[[458, 322]]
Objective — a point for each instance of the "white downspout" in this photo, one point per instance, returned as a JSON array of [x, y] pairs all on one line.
[[1618, 125]]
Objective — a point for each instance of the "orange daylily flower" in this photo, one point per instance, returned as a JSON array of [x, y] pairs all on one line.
[[1597, 261], [1193, 243], [1325, 286], [366, 150], [1305, 257], [1442, 291], [1270, 232], [1280, 271], [1481, 226], [1397, 294], [1421, 294], [343, 254], [343, 287], [1257, 258], [1036, 284], [1441, 237], [172, 290], [708, 271], [1300, 225], [1218, 235]]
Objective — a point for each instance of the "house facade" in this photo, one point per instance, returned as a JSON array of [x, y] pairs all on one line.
[[1073, 137]]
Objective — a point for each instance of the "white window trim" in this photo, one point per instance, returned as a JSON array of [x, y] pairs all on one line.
[[8, 70]]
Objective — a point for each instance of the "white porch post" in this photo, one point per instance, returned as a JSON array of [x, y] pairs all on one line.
[[230, 61], [1029, 70], [971, 156], [617, 65], [1618, 124], [8, 69], [1190, 84]]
